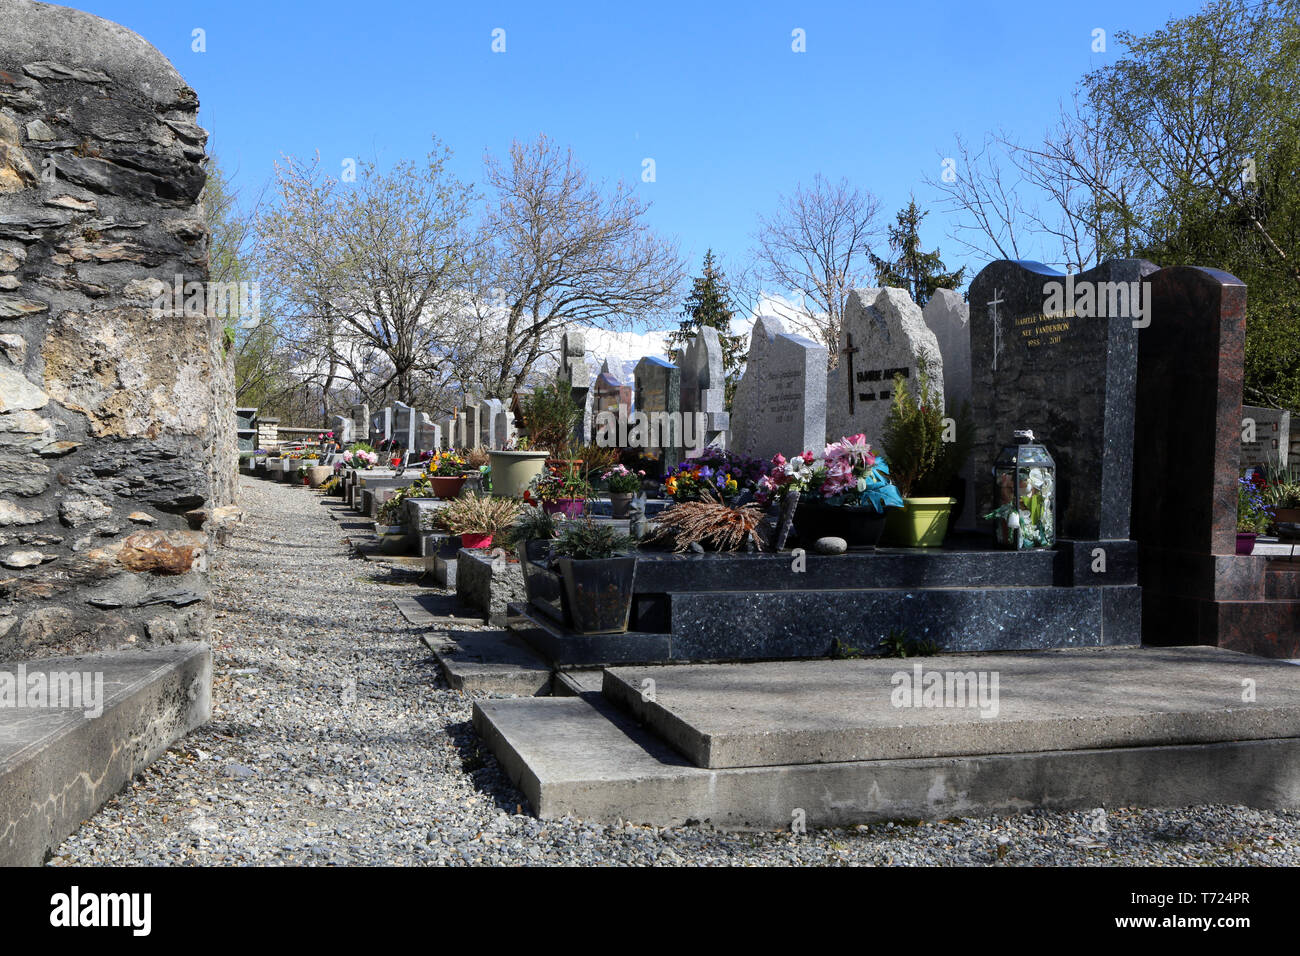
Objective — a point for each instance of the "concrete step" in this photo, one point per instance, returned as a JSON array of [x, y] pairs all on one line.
[[490, 662], [58, 766], [581, 757], [775, 714]]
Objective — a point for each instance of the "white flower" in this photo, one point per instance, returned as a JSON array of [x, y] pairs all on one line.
[[1036, 478], [1013, 520]]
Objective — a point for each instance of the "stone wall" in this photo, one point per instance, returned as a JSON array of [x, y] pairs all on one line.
[[116, 418]]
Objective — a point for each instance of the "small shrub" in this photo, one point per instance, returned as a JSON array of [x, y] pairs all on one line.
[[588, 541]]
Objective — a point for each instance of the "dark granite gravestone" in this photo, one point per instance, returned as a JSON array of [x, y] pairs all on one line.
[[659, 396], [1057, 354], [381, 425], [1195, 588], [608, 393]]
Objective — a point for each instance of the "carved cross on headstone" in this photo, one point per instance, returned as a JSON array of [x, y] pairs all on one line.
[[997, 326], [850, 350]]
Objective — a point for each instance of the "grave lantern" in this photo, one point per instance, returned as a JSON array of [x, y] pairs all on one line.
[[1024, 479]]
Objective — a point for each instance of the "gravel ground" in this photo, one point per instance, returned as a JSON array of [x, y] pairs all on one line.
[[334, 740]]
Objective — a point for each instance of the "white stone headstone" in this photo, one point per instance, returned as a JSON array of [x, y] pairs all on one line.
[[428, 436], [883, 334], [780, 401], [1272, 433]]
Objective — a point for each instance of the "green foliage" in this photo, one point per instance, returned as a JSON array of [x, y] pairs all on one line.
[[587, 541], [550, 416], [531, 524], [898, 644], [920, 273], [709, 304], [921, 463], [1209, 133]]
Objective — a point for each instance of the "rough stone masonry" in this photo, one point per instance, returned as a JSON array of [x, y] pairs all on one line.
[[115, 421]]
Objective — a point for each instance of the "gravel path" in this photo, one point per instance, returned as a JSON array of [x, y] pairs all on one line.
[[334, 740]]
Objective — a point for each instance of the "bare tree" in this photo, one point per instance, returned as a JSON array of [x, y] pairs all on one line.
[[563, 251], [817, 246], [372, 274]]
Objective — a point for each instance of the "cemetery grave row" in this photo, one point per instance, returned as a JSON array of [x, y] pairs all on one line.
[[1076, 520]]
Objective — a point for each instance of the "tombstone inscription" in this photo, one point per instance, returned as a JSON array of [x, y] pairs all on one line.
[[780, 402], [884, 334], [1046, 356]]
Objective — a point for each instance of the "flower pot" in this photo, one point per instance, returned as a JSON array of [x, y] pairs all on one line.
[[859, 526], [317, 475], [470, 540], [513, 470], [620, 502], [1246, 542], [920, 523], [569, 507], [538, 583], [445, 486], [599, 593]]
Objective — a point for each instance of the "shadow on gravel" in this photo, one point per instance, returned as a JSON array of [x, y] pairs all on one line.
[[486, 775]]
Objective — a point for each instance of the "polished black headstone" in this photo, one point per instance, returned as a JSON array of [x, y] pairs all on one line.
[[1066, 369]]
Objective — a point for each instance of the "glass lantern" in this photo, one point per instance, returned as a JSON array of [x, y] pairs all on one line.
[[1024, 477]]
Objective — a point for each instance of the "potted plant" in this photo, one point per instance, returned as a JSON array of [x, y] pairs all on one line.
[[561, 491], [844, 494], [514, 468], [1253, 514], [478, 519], [446, 472], [623, 484], [551, 418], [598, 574], [925, 457], [1282, 493], [533, 538], [714, 474]]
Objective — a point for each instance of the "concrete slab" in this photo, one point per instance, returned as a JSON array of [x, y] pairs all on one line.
[[435, 609], [577, 683], [58, 766], [773, 714], [492, 662], [571, 757]]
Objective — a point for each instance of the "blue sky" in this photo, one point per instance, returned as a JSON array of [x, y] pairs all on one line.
[[711, 91]]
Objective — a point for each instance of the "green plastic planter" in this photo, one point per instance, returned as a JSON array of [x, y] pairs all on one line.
[[920, 523], [512, 471]]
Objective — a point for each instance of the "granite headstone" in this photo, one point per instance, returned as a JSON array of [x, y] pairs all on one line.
[[883, 334], [658, 397], [1057, 354], [780, 401], [1265, 437]]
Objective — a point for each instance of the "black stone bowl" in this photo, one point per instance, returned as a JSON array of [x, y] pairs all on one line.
[[860, 527]]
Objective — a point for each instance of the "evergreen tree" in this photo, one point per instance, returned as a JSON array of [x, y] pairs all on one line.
[[710, 304], [920, 273]]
